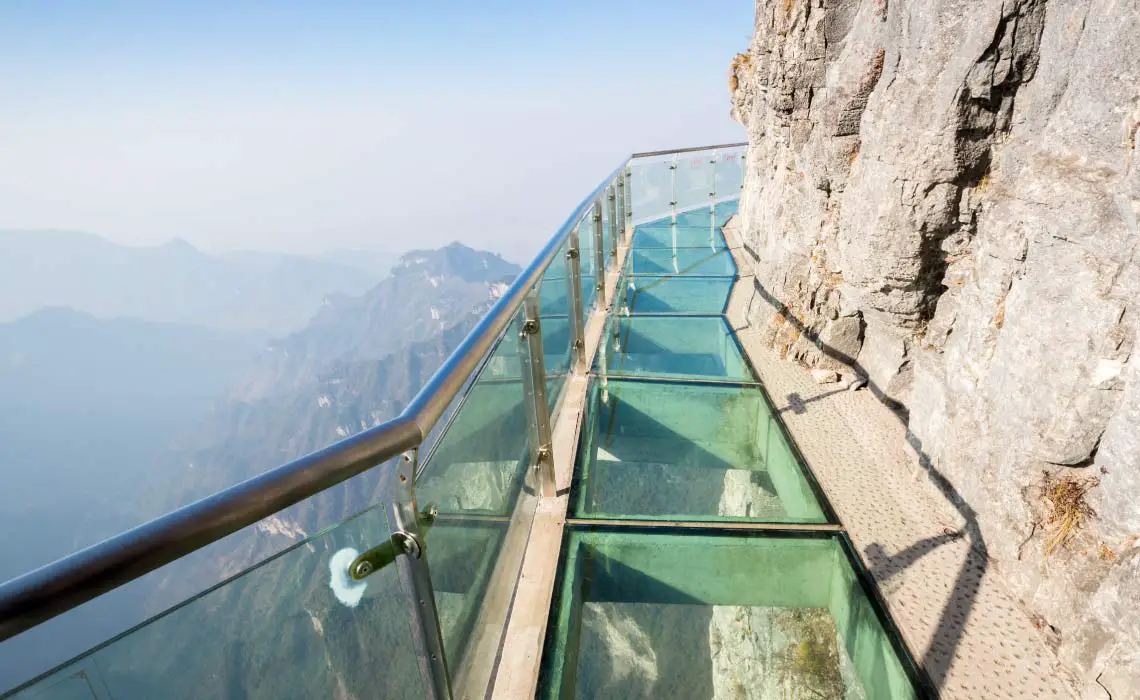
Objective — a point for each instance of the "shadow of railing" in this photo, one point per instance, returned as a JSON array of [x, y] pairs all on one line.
[[939, 656]]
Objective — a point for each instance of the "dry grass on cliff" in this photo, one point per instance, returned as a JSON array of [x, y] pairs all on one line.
[[1065, 507]]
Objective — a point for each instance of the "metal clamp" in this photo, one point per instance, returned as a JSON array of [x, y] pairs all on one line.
[[401, 542]]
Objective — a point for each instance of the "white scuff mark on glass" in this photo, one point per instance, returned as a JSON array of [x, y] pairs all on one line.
[[346, 590]]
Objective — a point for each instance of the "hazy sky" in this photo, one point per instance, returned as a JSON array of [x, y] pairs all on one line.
[[305, 126]]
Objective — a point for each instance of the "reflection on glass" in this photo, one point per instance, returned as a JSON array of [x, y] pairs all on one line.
[[658, 450], [682, 347], [651, 182], [294, 626], [694, 180], [729, 174], [683, 615]]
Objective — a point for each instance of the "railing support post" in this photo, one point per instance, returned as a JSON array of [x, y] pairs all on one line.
[[574, 296], [599, 256], [620, 222], [712, 183], [673, 188], [412, 566], [628, 223], [534, 386], [613, 221]]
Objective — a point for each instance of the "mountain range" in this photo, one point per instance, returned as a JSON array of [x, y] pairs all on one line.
[[128, 418], [174, 282]]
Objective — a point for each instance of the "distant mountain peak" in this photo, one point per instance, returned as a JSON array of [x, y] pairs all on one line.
[[455, 259]]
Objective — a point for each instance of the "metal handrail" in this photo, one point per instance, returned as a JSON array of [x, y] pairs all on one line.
[[55, 588], [650, 154]]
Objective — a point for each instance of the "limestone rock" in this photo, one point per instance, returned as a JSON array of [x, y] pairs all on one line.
[[944, 195]]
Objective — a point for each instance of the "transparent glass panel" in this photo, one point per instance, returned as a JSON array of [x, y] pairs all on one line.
[[682, 347], [729, 174], [694, 179], [556, 333], [681, 261], [651, 183], [660, 450], [477, 477], [586, 261], [696, 615], [294, 626], [725, 211], [674, 294]]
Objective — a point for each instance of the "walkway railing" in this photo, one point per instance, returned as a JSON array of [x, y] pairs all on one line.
[[470, 494]]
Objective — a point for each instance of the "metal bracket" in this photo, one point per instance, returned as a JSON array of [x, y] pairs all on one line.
[[401, 542]]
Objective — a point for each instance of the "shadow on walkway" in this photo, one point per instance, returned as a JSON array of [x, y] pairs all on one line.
[[940, 655]]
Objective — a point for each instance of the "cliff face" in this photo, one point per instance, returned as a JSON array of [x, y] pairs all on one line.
[[943, 195]]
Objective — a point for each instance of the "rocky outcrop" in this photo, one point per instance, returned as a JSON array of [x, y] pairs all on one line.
[[943, 196]]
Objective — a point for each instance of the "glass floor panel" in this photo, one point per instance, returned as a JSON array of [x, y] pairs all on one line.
[[675, 294], [681, 347], [681, 261], [696, 615], [687, 451], [679, 236]]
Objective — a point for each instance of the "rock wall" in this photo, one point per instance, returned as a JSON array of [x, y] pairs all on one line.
[[942, 196]]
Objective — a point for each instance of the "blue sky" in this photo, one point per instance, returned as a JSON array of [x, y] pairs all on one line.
[[307, 126]]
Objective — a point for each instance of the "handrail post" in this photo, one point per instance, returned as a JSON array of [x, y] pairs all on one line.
[[574, 297], [673, 188], [712, 184], [712, 202], [534, 387], [599, 256], [628, 223], [619, 223], [415, 579], [613, 221]]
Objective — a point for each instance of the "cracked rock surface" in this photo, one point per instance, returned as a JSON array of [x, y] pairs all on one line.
[[944, 195]]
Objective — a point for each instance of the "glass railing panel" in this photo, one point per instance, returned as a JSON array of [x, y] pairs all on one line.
[[479, 481], [587, 247], [726, 210], [295, 625], [554, 306], [674, 294], [694, 179], [729, 174], [680, 347], [651, 183], [681, 261], [688, 451], [702, 615]]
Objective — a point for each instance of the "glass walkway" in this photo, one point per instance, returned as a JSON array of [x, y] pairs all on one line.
[[698, 557]]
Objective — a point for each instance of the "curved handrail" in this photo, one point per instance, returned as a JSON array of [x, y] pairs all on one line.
[[55, 588]]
